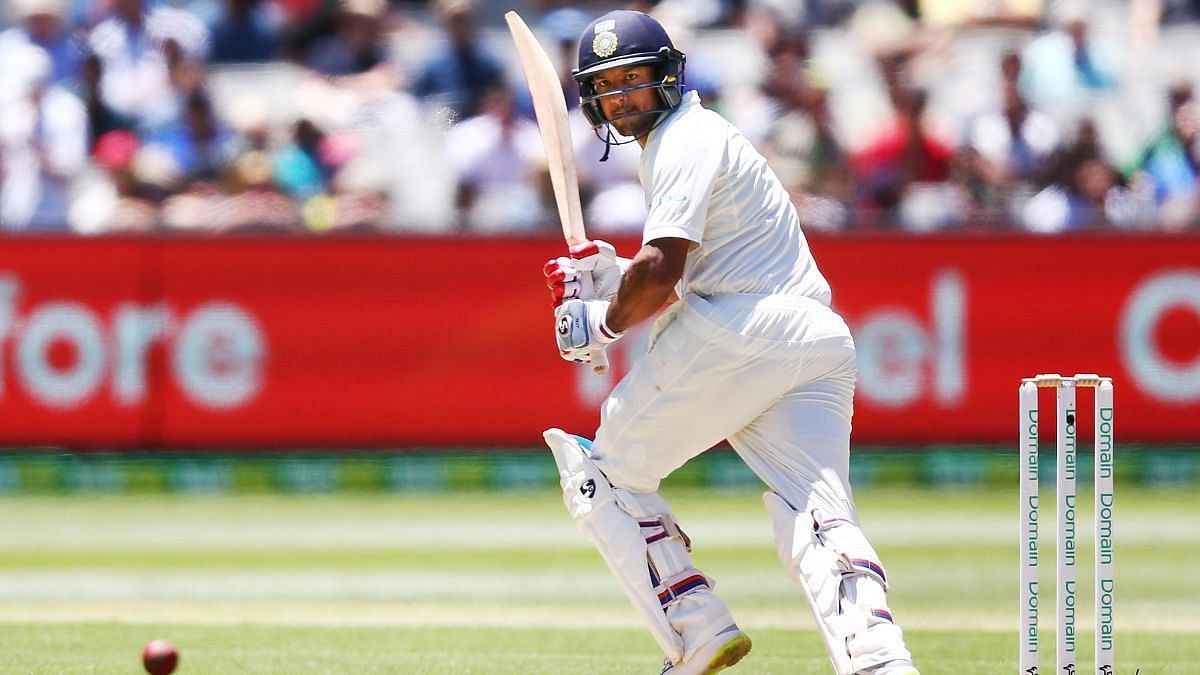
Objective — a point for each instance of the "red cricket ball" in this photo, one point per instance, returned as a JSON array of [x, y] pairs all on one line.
[[159, 657]]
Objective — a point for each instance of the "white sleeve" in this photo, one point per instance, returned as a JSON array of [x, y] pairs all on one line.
[[684, 168]]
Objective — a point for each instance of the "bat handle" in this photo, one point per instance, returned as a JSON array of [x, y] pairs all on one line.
[[599, 361]]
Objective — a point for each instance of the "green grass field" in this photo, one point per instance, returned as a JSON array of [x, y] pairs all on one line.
[[500, 583]]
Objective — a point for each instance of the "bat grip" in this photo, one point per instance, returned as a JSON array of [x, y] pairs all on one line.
[[599, 361]]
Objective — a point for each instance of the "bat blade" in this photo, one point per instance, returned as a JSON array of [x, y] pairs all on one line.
[[550, 106]]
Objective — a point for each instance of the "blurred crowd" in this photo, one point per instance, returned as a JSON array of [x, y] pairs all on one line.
[[412, 116]]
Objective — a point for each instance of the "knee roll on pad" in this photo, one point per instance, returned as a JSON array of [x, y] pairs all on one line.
[[844, 582], [642, 544]]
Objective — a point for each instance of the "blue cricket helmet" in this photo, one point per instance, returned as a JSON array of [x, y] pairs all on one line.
[[627, 38]]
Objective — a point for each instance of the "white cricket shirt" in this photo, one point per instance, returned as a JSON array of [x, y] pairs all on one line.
[[706, 183]]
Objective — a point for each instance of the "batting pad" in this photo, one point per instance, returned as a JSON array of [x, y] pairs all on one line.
[[845, 585], [638, 538]]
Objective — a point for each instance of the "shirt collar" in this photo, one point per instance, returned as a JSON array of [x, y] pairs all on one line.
[[689, 100]]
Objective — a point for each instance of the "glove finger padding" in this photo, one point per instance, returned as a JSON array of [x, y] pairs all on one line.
[[567, 282]]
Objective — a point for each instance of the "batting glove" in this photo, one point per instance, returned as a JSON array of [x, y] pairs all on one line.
[[580, 328], [594, 270], [607, 268], [566, 282]]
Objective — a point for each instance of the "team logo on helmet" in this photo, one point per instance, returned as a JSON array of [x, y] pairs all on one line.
[[605, 44]]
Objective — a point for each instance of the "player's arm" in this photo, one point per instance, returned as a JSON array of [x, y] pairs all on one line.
[[583, 326], [649, 283]]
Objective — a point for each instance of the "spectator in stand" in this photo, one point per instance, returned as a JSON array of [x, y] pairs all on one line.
[[497, 160], [41, 24], [1074, 205], [246, 31], [800, 143], [357, 46], [43, 145], [120, 200], [199, 143], [300, 167], [1170, 163], [757, 111], [135, 81], [246, 197], [186, 74], [903, 173], [1008, 149], [102, 119], [1086, 191], [456, 76], [787, 116], [1066, 66]]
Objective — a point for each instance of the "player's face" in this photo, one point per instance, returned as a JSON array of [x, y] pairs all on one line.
[[622, 108]]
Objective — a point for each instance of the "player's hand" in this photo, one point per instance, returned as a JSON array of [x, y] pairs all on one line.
[[607, 268], [594, 270], [580, 329], [567, 282]]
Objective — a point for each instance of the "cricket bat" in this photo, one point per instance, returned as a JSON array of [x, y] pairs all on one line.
[[550, 106]]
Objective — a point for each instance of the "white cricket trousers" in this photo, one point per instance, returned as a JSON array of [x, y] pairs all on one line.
[[772, 374]]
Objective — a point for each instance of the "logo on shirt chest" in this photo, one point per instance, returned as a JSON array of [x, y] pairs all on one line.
[[667, 199]]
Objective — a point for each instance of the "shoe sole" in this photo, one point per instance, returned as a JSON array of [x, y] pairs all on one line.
[[729, 654]]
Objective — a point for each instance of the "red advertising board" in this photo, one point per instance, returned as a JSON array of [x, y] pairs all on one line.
[[388, 342]]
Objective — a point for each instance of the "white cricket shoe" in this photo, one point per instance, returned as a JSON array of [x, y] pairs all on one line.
[[724, 650]]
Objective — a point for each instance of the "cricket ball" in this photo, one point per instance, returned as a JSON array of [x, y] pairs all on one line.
[[159, 657]]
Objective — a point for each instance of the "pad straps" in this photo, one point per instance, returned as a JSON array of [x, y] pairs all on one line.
[[685, 582], [660, 529], [657, 528]]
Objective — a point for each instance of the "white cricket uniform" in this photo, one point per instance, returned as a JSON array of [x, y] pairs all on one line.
[[752, 353]]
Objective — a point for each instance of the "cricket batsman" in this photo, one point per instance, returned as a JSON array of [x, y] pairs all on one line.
[[749, 350]]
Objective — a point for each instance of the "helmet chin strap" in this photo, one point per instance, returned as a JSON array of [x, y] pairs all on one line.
[[610, 139]]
